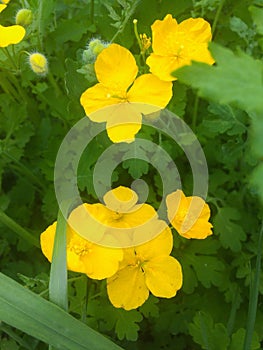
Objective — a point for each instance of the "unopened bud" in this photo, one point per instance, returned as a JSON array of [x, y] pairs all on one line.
[[38, 63], [24, 17]]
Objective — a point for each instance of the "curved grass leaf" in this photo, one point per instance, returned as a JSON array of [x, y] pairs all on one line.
[[45, 321]]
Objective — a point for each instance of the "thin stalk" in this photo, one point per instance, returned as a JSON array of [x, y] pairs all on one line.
[[194, 120], [123, 25], [19, 230], [10, 58], [54, 84], [218, 12], [92, 11], [8, 330], [253, 296], [24, 170]]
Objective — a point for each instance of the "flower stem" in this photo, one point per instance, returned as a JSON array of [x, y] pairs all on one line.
[[24, 170], [10, 58], [253, 296], [127, 17], [218, 12], [195, 110], [19, 230]]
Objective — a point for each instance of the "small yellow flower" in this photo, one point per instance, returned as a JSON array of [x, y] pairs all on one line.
[[12, 34], [116, 71], [146, 268], [95, 261], [38, 63], [189, 215], [176, 45]]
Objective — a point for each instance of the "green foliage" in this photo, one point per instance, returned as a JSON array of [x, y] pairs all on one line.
[[215, 309]]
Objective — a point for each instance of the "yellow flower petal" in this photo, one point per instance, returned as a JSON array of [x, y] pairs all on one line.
[[163, 276], [120, 199], [83, 220], [189, 215], [160, 245], [163, 66], [124, 123], [2, 7], [96, 98], [164, 36], [103, 261], [197, 29], [116, 68], [201, 53], [127, 288], [47, 241], [148, 89], [11, 35]]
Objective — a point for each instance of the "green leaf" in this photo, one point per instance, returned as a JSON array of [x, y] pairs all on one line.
[[150, 307], [207, 334], [257, 16], [126, 325], [237, 340], [136, 167], [45, 321], [231, 234], [233, 77], [58, 286], [108, 317]]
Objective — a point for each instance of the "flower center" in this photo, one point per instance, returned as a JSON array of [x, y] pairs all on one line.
[[116, 216], [80, 248]]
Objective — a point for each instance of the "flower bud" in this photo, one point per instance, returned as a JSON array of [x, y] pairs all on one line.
[[38, 63], [94, 47], [24, 17]]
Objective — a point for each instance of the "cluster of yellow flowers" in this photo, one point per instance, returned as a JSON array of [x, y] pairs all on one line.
[[137, 258], [174, 45], [134, 271]]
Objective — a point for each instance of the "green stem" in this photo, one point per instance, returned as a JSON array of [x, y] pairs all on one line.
[[9, 89], [54, 84], [92, 11], [19, 230], [218, 12], [13, 335], [253, 296], [32, 177], [137, 34], [123, 25], [194, 120], [7, 53]]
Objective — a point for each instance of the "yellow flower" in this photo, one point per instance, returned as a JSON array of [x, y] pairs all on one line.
[[146, 268], [176, 45], [12, 34], [94, 260], [189, 215], [120, 222], [116, 71]]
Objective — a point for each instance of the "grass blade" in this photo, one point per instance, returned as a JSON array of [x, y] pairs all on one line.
[[58, 286], [45, 321], [19, 230], [253, 296]]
